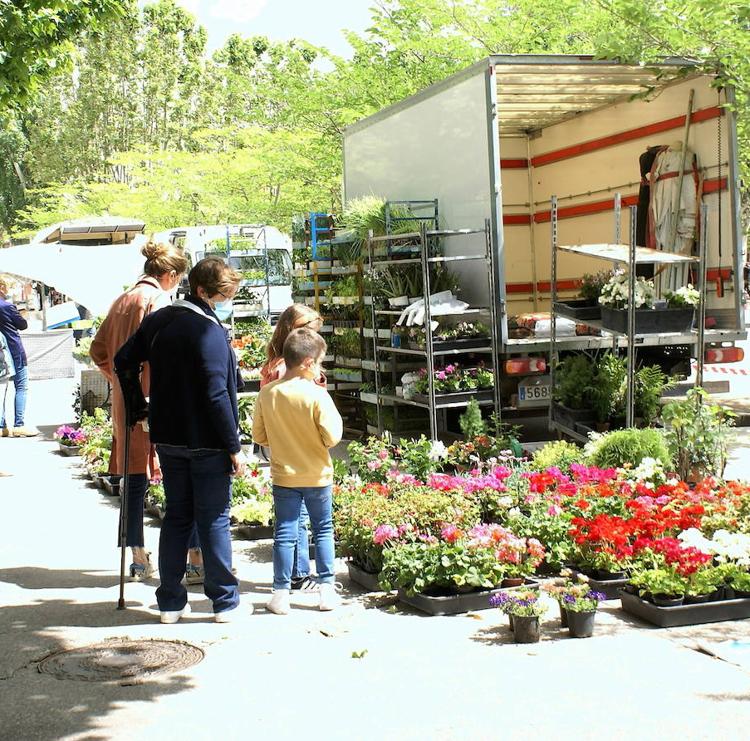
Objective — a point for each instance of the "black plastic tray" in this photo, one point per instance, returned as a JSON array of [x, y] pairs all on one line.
[[467, 343], [570, 417], [672, 617], [365, 579], [253, 532], [579, 309], [649, 321], [456, 398], [458, 603]]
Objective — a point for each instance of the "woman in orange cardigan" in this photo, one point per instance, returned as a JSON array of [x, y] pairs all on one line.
[[162, 272]]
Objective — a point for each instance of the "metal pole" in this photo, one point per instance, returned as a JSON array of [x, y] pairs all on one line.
[[378, 406], [124, 492], [702, 249], [630, 398], [553, 313], [493, 321], [618, 212], [428, 331]]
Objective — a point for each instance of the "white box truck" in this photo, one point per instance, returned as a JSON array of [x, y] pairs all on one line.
[[503, 136]]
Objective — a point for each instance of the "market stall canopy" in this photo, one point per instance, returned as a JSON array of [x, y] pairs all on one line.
[[91, 275], [112, 229]]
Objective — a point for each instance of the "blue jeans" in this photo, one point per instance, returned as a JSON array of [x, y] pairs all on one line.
[[287, 506], [21, 382], [137, 486], [197, 487], [301, 567]]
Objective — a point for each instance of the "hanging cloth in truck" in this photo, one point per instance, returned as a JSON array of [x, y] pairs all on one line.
[[663, 180], [645, 163]]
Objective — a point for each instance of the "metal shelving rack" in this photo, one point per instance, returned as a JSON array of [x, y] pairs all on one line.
[[630, 255], [428, 355]]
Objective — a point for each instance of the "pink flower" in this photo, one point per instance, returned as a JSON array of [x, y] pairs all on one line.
[[450, 533], [383, 533], [554, 510], [382, 454], [440, 375], [374, 465]]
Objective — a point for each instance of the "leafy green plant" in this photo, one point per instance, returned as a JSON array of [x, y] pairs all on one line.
[[557, 454], [628, 448], [697, 434], [246, 408], [650, 383], [253, 511], [609, 387], [471, 423], [574, 378], [661, 581]]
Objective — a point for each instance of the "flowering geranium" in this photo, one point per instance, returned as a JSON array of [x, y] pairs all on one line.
[[70, 436]]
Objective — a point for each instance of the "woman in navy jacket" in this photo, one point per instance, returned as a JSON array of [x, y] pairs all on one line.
[[193, 420]]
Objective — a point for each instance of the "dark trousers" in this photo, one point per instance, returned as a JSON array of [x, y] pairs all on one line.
[[137, 487], [197, 487]]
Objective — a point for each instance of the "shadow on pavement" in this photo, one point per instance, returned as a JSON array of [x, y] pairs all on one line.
[[41, 706], [30, 577]]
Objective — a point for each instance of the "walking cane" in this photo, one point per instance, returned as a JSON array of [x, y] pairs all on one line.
[[124, 488]]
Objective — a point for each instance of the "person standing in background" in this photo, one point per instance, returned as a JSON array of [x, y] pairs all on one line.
[[11, 322], [163, 271]]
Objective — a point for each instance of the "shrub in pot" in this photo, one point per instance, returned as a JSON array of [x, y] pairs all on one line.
[[697, 433], [628, 448], [573, 381]]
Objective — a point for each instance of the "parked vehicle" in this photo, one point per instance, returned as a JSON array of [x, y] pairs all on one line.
[[502, 137]]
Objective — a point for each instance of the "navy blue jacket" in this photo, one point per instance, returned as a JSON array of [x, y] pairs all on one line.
[[10, 322], [193, 391]]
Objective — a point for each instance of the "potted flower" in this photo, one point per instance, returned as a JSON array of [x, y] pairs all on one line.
[[70, 439], [578, 603], [573, 397], [524, 608], [615, 301], [664, 586]]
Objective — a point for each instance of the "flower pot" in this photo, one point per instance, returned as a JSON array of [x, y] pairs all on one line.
[[696, 599], [398, 301], [579, 309], [512, 581], [510, 622], [667, 600], [69, 449], [525, 629], [563, 616], [602, 575], [581, 624], [602, 426]]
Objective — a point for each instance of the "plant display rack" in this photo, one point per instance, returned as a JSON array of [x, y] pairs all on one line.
[[261, 307], [316, 279], [425, 243], [631, 256]]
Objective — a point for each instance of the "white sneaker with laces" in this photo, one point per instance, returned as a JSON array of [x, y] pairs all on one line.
[[279, 603], [170, 617], [329, 598]]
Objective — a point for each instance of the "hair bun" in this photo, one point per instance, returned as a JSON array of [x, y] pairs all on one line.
[[151, 250]]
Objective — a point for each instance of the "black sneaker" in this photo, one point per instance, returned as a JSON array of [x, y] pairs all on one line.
[[305, 584]]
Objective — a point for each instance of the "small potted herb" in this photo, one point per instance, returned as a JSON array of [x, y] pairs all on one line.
[[524, 608]]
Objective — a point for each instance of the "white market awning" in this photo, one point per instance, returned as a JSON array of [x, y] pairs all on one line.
[[91, 275]]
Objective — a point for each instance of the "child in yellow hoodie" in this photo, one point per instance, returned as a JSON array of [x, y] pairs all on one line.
[[298, 420]]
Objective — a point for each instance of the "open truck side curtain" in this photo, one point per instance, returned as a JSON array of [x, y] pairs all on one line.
[[500, 138]]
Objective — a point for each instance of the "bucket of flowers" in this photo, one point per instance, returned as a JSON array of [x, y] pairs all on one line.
[[523, 608], [70, 439], [578, 602]]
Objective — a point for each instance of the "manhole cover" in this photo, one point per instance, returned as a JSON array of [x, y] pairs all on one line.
[[121, 659]]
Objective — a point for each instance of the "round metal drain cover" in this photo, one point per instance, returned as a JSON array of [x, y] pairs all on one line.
[[120, 660]]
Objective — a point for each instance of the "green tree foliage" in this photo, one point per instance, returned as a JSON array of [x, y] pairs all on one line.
[[37, 37], [145, 124]]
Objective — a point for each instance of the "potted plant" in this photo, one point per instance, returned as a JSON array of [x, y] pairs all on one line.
[[573, 396], [609, 389], [615, 301], [663, 585], [578, 603], [524, 608], [697, 433], [70, 439], [650, 383], [587, 306]]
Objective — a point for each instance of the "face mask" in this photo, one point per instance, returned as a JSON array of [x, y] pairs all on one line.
[[223, 310]]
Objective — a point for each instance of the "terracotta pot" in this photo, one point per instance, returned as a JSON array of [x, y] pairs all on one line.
[[512, 581]]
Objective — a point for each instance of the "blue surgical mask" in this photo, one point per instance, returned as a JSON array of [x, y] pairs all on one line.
[[223, 310]]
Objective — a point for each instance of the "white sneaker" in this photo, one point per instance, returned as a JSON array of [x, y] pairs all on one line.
[[279, 603], [173, 616], [329, 598]]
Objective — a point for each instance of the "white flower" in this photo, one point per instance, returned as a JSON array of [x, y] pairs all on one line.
[[438, 451]]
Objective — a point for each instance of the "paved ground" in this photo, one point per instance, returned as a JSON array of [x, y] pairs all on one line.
[[293, 677]]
